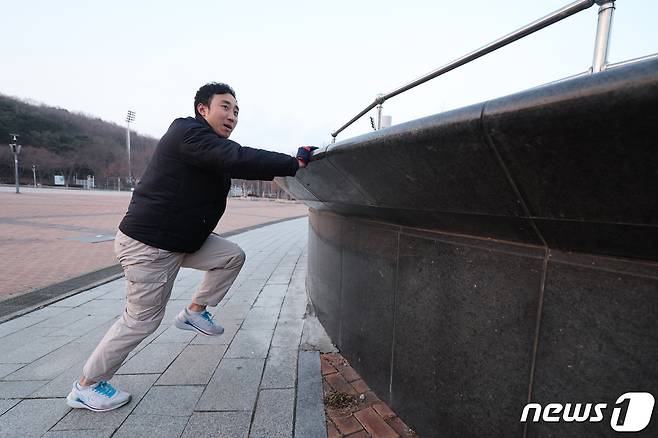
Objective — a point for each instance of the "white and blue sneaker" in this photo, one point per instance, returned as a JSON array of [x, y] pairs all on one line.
[[99, 397], [200, 322]]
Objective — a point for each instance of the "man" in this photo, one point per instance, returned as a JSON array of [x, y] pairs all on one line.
[[174, 208]]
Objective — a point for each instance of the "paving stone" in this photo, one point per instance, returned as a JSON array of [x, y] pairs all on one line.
[[84, 325], [19, 389], [332, 432], [103, 307], [280, 368], [94, 336], [18, 339], [154, 358], [8, 368], [287, 336], [186, 284], [70, 316], [189, 279], [78, 299], [5, 405], [233, 387], [104, 433], [295, 300], [297, 286], [274, 291], [383, 410], [241, 300], [119, 292], [263, 274], [286, 265], [360, 386], [293, 325], [146, 341], [174, 306], [250, 344], [218, 425], [296, 291], [53, 364], [347, 371], [34, 349], [374, 424], [173, 401], [45, 313], [177, 304], [9, 327], [310, 419], [269, 302], [348, 424], [252, 284], [292, 313], [136, 385], [194, 366], [183, 293], [32, 418], [274, 414], [60, 386], [175, 335], [326, 365], [279, 279], [261, 318], [152, 426]]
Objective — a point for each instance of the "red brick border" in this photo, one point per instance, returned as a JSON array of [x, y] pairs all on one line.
[[368, 416]]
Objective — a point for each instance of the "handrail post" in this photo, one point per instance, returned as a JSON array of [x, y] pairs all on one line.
[[603, 28], [380, 105]]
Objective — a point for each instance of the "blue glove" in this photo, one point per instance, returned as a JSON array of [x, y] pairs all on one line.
[[304, 153]]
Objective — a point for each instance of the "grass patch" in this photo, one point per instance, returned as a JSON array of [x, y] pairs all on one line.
[[339, 400]]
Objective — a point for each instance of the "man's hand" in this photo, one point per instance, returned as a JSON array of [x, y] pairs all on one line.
[[304, 155]]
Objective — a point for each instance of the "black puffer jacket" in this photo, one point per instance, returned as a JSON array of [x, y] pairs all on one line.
[[183, 191]]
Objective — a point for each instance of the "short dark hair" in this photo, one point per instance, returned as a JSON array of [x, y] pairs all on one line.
[[205, 93]]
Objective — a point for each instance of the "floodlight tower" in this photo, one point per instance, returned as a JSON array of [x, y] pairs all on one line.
[[130, 117]]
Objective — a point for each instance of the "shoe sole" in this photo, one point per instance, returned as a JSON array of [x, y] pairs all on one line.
[[75, 404], [183, 325]]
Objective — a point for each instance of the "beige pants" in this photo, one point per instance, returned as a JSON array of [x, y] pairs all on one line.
[[150, 274]]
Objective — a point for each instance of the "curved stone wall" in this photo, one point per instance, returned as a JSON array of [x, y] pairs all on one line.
[[470, 261]]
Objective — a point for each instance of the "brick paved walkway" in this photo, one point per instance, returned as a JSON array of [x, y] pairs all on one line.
[[352, 409], [251, 381], [45, 234]]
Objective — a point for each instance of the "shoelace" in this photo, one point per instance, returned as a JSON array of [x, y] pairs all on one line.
[[105, 389], [208, 317]]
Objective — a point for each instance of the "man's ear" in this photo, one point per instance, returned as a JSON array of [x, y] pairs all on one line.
[[202, 109]]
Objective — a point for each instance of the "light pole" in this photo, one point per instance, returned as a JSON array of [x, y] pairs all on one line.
[[129, 118], [15, 149]]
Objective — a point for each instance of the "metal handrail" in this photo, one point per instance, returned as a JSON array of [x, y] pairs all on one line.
[[605, 16]]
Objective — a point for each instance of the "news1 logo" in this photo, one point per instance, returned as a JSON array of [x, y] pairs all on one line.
[[631, 412]]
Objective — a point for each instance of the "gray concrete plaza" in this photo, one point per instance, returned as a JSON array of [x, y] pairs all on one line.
[[251, 381]]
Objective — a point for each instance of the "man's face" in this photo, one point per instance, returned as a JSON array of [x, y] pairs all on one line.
[[221, 114]]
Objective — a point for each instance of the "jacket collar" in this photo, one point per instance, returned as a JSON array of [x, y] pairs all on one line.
[[202, 120]]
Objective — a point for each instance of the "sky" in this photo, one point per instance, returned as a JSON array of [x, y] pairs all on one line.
[[300, 69]]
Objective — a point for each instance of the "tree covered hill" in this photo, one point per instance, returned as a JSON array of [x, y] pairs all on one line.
[[60, 142]]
